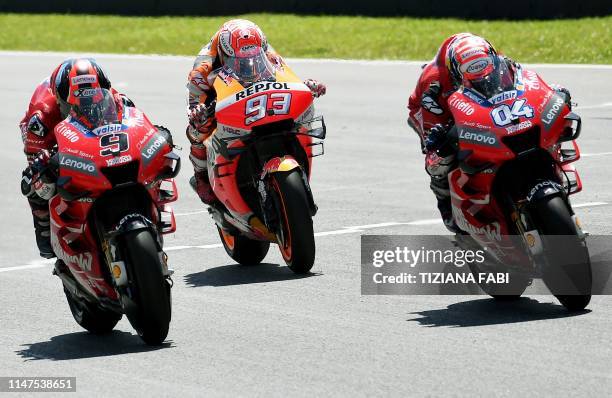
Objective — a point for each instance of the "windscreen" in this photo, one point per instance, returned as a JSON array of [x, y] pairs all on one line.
[[251, 68], [98, 109]]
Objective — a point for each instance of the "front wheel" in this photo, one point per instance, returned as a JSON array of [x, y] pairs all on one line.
[[295, 233], [243, 250], [568, 267], [94, 319], [149, 288]]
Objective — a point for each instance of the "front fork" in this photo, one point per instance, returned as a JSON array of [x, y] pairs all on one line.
[[284, 164], [114, 255], [524, 223]]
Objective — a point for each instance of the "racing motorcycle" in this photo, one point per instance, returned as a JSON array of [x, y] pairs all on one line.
[[515, 148], [113, 172], [259, 162]]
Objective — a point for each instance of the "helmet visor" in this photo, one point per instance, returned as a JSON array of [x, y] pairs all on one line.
[[97, 110], [498, 80], [251, 67]]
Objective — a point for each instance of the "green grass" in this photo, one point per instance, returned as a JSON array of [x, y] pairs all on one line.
[[562, 41]]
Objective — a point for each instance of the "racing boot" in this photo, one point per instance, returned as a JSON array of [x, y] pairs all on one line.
[[440, 188], [42, 227], [201, 185]]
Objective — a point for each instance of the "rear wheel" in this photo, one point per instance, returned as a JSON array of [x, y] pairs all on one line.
[[149, 288], [243, 250], [563, 247], [92, 318], [295, 235]]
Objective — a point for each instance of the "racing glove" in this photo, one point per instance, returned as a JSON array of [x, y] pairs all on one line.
[[564, 93], [435, 138], [34, 181], [201, 117], [317, 88]]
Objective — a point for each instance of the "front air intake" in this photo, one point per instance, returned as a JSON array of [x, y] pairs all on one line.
[[523, 142], [122, 174]]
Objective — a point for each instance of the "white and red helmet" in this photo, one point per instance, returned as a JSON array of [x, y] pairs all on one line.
[[240, 38], [474, 63]]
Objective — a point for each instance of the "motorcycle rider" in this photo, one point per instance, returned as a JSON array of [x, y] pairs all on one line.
[[233, 42], [463, 60], [52, 102]]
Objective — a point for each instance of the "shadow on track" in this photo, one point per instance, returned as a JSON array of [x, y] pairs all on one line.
[[85, 345], [236, 274], [488, 311]]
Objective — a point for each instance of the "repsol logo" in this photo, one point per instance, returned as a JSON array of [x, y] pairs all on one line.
[[68, 133], [262, 86], [478, 138], [78, 164], [462, 106], [552, 110]]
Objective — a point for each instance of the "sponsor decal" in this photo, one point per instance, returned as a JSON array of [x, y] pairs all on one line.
[[225, 76], [473, 96], [232, 131], [259, 87], [78, 164], [430, 104], [478, 137], [531, 80], [118, 160], [506, 95], [82, 260], [248, 48], [152, 147], [85, 92], [462, 106], [472, 52], [146, 137], [477, 65], [543, 185], [134, 117], [551, 111], [490, 231], [78, 152], [518, 127], [224, 40], [109, 128], [68, 133], [84, 79], [35, 126]]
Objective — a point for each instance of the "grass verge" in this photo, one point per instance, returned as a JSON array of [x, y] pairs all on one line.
[[559, 41]]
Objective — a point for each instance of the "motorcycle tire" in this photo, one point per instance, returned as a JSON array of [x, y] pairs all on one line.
[[296, 236], [554, 218], [243, 250], [149, 288], [94, 319]]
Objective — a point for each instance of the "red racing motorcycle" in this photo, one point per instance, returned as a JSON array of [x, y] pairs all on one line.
[[510, 191], [259, 162], [113, 172]]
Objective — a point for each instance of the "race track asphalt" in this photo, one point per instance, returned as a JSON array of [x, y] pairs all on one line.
[[262, 330]]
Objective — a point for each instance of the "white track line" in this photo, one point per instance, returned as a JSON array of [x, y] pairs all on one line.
[[589, 204], [588, 155], [346, 230], [159, 57]]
